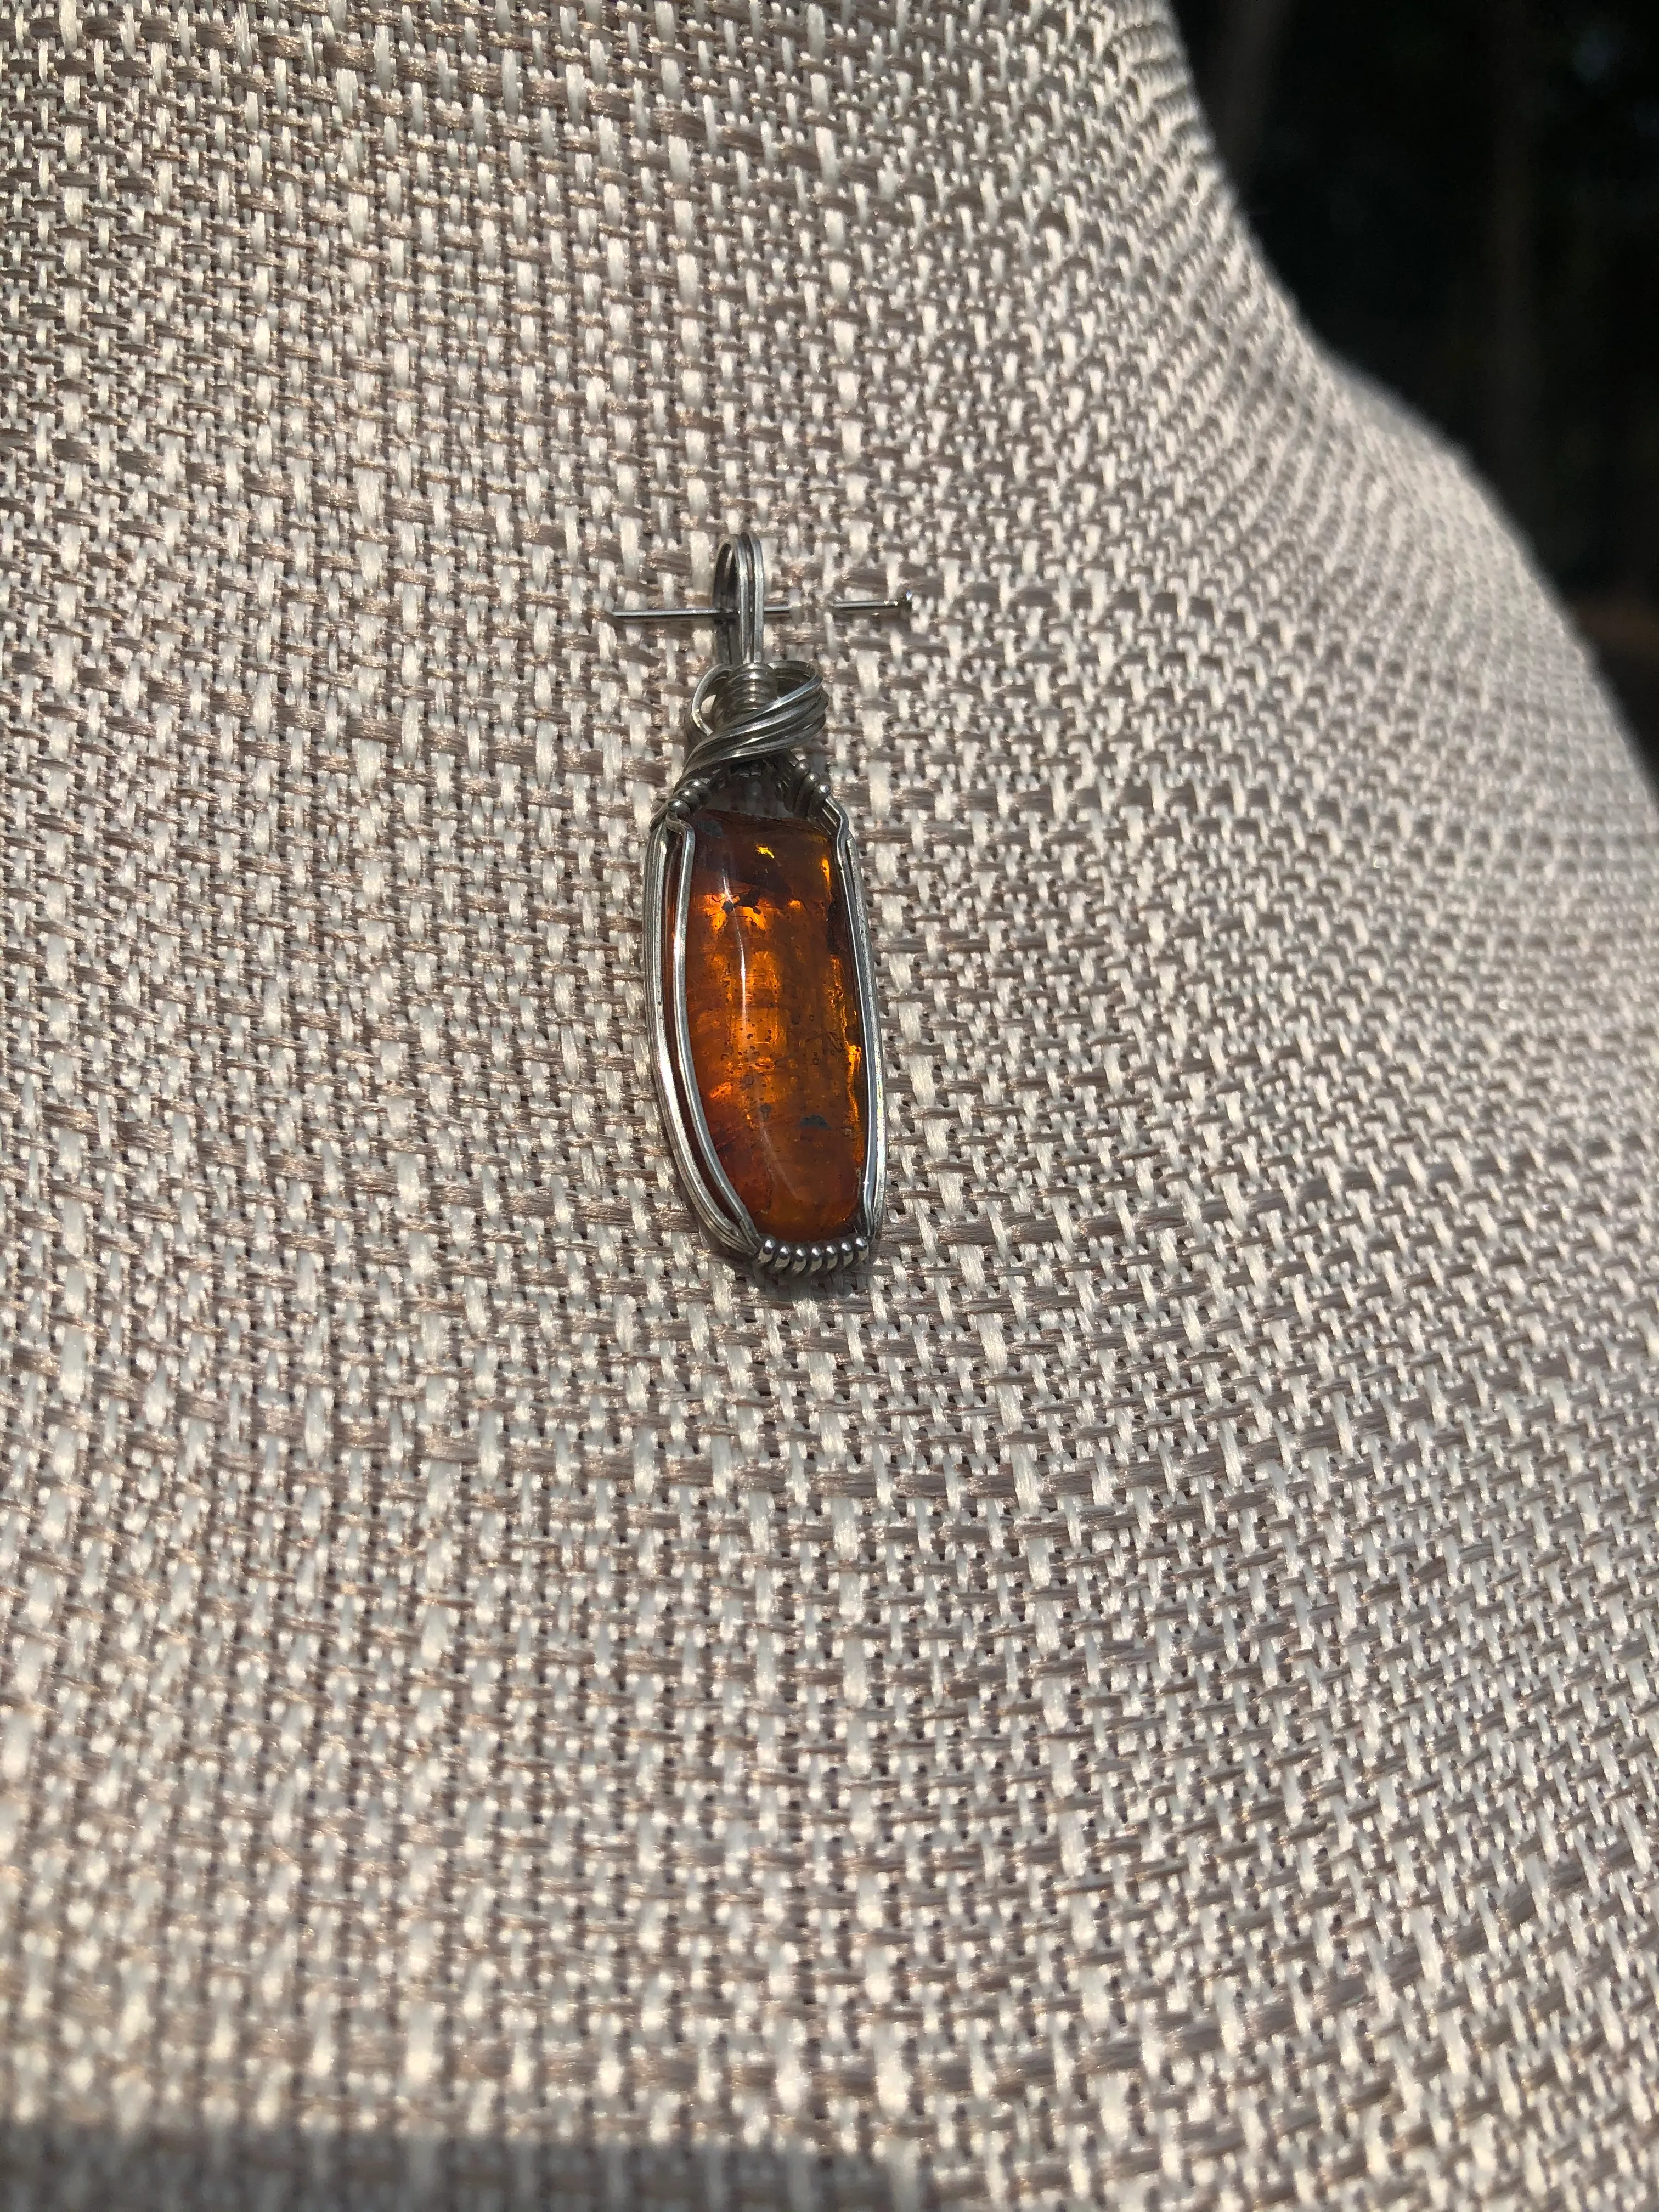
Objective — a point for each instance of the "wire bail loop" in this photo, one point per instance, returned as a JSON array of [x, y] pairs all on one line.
[[740, 598], [747, 708]]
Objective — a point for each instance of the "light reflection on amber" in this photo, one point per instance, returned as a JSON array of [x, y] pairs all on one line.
[[773, 1013]]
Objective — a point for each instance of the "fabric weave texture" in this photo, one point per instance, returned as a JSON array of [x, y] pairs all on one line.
[[1145, 1698]]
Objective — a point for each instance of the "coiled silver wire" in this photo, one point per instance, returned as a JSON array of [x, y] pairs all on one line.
[[752, 711], [747, 708]]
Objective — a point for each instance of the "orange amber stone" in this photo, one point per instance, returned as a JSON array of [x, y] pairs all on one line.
[[772, 1006]]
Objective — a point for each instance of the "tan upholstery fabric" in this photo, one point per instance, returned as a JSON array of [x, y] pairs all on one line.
[[1145, 1700]]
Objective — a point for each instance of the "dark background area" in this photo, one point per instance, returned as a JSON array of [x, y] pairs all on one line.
[[1463, 195]]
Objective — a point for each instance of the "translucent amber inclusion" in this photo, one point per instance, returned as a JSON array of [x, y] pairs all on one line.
[[772, 1006]]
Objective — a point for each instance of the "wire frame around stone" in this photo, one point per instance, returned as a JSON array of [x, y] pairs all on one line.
[[670, 854]]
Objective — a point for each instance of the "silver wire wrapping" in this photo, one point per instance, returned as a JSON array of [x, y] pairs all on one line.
[[746, 707], [752, 712]]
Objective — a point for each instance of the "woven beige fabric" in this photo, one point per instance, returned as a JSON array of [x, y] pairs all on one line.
[[1145, 1700]]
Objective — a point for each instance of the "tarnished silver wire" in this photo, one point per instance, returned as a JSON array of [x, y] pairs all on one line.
[[747, 708], [751, 712], [740, 600]]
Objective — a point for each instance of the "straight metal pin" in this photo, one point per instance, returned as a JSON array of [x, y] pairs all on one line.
[[681, 614], [903, 606]]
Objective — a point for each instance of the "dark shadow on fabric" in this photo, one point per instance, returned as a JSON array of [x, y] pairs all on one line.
[[44, 2169]]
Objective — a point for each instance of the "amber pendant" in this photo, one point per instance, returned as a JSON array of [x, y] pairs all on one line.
[[760, 990]]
